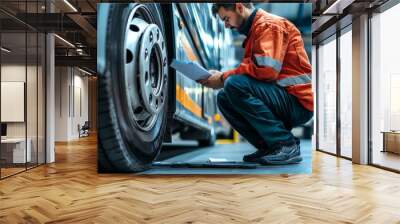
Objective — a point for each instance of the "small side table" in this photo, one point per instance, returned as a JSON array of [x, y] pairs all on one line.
[[391, 141]]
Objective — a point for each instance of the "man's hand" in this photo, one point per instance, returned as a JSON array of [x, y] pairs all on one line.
[[214, 81]]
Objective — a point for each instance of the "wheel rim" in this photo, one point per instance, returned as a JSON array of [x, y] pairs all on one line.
[[145, 70]]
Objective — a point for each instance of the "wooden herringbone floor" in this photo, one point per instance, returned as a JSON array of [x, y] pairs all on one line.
[[71, 191]]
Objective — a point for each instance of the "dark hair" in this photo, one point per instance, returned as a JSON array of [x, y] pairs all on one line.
[[229, 6]]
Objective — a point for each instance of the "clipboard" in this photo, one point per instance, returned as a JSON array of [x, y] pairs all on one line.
[[190, 69]]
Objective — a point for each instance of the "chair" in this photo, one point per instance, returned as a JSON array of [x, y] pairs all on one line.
[[84, 130]]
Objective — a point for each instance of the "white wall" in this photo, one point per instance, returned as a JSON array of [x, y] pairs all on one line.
[[71, 93], [13, 73], [61, 103], [80, 102]]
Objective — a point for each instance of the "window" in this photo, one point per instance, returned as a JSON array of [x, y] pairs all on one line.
[[346, 92], [327, 95], [385, 89]]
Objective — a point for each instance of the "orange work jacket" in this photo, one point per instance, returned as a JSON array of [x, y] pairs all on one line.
[[274, 52]]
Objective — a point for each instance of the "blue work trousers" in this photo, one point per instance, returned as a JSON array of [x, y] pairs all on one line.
[[262, 112]]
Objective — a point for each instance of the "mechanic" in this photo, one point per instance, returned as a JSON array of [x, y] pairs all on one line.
[[270, 91]]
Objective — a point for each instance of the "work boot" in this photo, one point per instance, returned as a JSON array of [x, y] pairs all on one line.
[[285, 155], [255, 156], [262, 150]]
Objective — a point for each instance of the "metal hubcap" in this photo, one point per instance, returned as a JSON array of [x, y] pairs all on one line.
[[145, 69]]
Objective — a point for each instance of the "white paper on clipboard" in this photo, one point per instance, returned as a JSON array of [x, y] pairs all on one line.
[[190, 69]]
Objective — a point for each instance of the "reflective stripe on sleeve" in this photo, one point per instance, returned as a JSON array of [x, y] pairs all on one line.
[[268, 62], [289, 81]]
